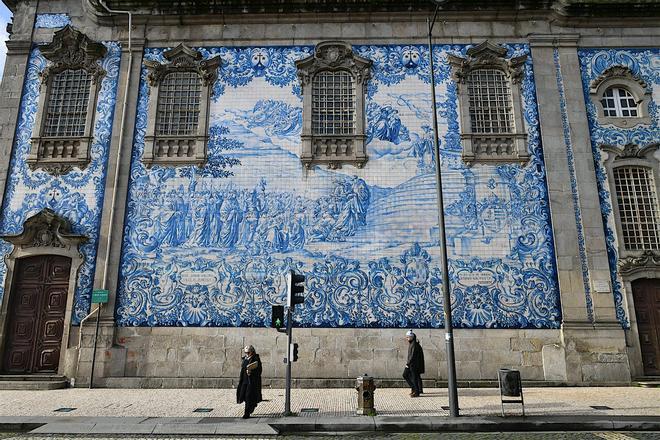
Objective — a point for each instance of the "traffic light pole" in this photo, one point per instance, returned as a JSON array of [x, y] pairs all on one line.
[[289, 337]]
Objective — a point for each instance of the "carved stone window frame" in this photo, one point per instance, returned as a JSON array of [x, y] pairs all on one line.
[[491, 147], [638, 264], [45, 233], [69, 50], [621, 77], [630, 155], [166, 150], [334, 151]]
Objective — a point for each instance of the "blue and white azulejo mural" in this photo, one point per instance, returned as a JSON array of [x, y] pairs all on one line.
[[209, 246], [77, 195], [644, 64]]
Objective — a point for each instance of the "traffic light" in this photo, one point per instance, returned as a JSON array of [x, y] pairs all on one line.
[[296, 288], [277, 320], [294, 354]]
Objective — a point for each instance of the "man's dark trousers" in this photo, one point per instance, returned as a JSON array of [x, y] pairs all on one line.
[[414, 380]]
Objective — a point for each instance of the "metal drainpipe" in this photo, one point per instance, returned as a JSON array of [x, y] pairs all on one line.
[[121, 137], [80, 335], [116, 178]]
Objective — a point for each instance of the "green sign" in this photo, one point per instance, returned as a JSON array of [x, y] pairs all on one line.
[[100, 296]]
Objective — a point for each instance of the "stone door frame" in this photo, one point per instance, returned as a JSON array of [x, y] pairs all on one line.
[[45, 233], [647, 265]]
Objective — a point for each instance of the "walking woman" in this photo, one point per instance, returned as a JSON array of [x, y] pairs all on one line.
[[249, 384]]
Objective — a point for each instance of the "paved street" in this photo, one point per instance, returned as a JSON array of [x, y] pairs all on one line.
[[324, 402], [435, 436]]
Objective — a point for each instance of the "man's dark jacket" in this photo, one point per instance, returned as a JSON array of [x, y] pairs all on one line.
[[415, 357], [249, 387]]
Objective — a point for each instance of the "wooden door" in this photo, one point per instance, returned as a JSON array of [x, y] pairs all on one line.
[[37, 305], [646, 294]]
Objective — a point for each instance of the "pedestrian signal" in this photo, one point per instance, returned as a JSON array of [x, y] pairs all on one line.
[[277, 321]]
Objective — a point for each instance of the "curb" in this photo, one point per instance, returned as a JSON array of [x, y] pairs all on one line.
[[289, 425], [473, 424]]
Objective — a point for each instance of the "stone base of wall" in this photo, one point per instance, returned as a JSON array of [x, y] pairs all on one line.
[[174, 357]]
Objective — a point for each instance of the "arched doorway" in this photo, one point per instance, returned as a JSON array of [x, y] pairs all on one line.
[[646, 294], [37, 307]]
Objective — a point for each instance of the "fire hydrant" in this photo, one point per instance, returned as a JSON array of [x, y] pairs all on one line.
[[365, 388]]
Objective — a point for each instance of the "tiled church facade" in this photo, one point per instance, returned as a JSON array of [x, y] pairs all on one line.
[[194, 256]]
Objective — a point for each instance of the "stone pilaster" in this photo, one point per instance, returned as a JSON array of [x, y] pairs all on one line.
[[18, 52], [592, 341]]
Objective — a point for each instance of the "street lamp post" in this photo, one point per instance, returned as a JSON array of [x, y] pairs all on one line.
[[449, 331]]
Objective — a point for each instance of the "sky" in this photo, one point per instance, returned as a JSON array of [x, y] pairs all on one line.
[[5, 17]]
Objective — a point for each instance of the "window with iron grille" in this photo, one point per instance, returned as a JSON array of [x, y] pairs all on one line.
[[71, 79], [178, 104], [619, 103], [333, 103], [333, 84], [490, 102], [177, 131], [67, 104], [638, 207]]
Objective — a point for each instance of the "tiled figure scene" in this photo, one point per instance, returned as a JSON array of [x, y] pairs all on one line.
[[644, 64], [210, 246], [76, 195]]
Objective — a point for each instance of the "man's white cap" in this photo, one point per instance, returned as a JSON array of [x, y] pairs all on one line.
[[410, 333], [248, 348]]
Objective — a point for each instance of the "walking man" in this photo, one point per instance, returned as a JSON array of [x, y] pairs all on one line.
[[414, 365], [249, 384]]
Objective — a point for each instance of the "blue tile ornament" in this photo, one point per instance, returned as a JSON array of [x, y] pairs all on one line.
[[204, 248]]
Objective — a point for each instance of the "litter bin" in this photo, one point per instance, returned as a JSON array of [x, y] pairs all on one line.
[[365, 388], [510, 386]]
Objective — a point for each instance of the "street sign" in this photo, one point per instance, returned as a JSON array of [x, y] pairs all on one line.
[[100, 296]]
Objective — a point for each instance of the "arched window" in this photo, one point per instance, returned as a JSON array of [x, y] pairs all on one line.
[[617, 102], [64, 123], [178, 104], [491, 108], [177, 128], [490, 105], [333, 103], [67, 104], [333, 82], [637, 203], [620, 98]]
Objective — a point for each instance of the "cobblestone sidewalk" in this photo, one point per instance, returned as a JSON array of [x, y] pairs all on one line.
[[324, 402]]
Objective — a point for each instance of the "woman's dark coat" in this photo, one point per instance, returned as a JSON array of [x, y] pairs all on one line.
[[249, 387]]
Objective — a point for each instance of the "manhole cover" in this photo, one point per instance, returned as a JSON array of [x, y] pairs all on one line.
[[203, 410], [64, 409]]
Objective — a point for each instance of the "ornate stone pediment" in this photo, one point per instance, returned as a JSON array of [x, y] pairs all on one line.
[[487, 55], [46, 229], [183, 58], [333, 55], [617, 72], [630, 151], [648, 260], [71, 49]]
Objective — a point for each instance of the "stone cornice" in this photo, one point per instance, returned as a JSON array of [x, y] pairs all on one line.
[[554, 40], [587, 12]]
